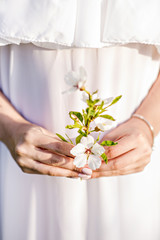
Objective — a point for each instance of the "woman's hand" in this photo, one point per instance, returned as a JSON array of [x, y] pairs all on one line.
[[37, 150], [131, 154]]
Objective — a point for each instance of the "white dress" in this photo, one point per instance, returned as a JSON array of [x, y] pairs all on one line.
[[37, 207]]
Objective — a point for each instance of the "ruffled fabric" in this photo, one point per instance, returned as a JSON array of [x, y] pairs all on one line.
[[79, 23]]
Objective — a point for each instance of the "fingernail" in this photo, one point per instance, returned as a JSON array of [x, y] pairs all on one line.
[[83, 176], [87, 171]]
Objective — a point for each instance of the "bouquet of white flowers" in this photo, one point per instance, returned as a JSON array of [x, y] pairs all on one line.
[[87, 149]]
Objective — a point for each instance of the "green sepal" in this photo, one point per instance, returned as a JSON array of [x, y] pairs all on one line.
[[108, 143], [61, 137], [76, 116], [104, 158]]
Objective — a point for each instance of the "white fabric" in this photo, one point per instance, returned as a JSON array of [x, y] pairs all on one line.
[[79, 23], [42, 207]]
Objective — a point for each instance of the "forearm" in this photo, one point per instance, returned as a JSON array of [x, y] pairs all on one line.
[[9, 119], [150, 107]]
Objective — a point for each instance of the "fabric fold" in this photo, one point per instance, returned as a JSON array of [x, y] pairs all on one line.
[[79, 23]]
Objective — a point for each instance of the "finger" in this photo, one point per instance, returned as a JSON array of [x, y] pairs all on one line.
[[47, 157], [138, 157], [140, 163], [118, 163], [131, 160], [53, 159], [115, 134], [116, 172], [54, 145], [124, 145], [27, 170], [58, 160], [36, 167]]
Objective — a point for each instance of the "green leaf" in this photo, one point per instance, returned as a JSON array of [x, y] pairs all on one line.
[[87, 110], [102, 103], [78, 139], [69, 138], [61, 137], [107, 116], [104, 158], [108, 143], [76, 116], [115, 100]]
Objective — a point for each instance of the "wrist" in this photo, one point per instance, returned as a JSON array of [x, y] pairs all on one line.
[[9, 128], [144, 127], [141, 117]]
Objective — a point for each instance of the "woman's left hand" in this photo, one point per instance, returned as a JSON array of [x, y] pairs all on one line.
[[131, 154]]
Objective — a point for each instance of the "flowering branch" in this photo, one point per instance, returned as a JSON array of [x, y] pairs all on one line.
[[87, 149]]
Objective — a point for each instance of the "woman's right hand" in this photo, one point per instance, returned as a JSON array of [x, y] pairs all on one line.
[[37, 150]]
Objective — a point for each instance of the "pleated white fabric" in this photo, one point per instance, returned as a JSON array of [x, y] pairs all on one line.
[[79, 23], [42, 207]]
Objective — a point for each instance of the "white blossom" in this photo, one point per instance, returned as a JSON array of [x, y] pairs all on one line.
[[87, 151], [76, 80], [103, 124]]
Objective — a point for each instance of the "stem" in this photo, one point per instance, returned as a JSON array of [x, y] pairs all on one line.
[[87, 131], [88, 93]]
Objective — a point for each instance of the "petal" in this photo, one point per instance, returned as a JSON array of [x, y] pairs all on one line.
[[71, 78], [80, 160], [87, 141], [78, 149], [104, 126], [108, 100], [85, 97], [82, 73], [97, 149], [94, 162], [70, 90], [81, 84]]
